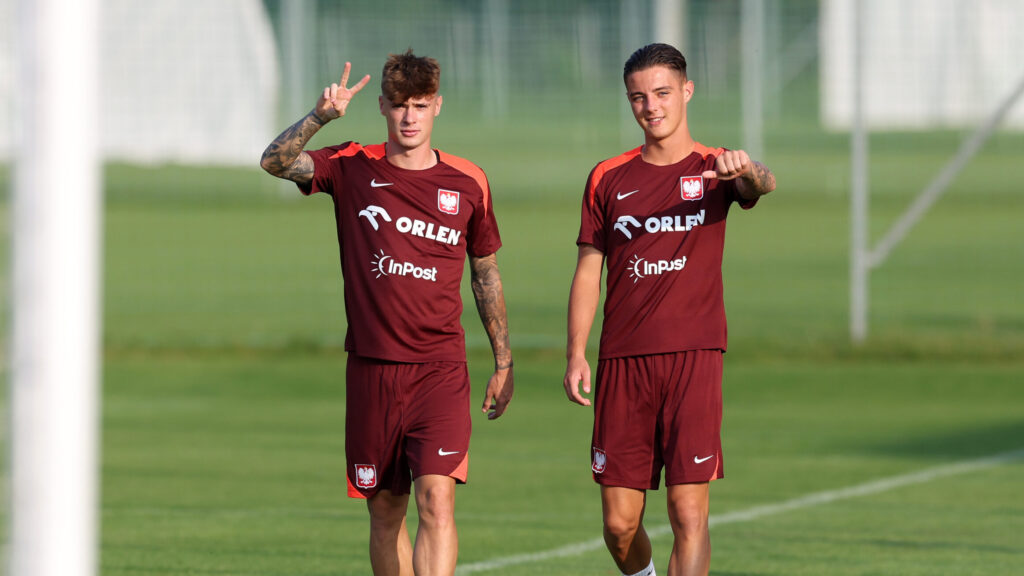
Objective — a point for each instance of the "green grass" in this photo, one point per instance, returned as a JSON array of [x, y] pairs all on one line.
[[234, 464], [223, 408]]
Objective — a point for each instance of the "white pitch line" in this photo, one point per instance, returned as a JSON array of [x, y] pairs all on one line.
[[750, 514]]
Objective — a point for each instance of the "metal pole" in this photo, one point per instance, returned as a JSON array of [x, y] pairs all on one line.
[[56, 292], [295, 31], [670, 23], [630, 39], [752, 77], [495, 72], [968, 149], [859, 189]]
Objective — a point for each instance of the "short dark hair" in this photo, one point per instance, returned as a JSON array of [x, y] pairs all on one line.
[[409, 76], [655, 55]]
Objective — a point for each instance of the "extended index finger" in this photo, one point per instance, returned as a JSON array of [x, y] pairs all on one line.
[[345, 73]]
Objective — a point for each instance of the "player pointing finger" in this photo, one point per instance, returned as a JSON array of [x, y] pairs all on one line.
[[752, 178], [658, 383], [730, 165]]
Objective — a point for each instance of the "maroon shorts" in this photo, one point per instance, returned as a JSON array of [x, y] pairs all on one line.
[[403, 421], [661, 410]]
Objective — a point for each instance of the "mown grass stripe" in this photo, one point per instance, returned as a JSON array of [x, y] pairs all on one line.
[[756, 512]]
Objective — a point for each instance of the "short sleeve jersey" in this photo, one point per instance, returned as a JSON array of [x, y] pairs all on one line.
[[662, 231], [403, 237]]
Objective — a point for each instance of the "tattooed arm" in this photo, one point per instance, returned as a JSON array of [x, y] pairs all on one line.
[[490, 303], [284, 157], [755, 179], [757, 182]]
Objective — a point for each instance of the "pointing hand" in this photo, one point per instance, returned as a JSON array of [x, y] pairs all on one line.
[[730, 165]]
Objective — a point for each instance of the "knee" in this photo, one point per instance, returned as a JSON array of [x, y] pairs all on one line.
[[620, 529], [689, 520], [436, 506]]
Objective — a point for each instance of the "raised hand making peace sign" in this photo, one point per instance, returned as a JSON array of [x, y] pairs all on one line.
[[335, 99]]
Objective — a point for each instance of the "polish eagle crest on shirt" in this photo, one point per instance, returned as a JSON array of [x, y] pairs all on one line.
[[448, 201], [691, 187]]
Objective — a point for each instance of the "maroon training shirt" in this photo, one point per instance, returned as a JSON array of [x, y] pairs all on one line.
[[404, 236], [662, 230]]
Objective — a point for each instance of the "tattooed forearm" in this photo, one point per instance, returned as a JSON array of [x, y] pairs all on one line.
[[490, 303], [758, 182], [284, 157]]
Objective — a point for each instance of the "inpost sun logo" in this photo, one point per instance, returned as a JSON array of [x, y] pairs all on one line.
[[640, 268], [385, 265]]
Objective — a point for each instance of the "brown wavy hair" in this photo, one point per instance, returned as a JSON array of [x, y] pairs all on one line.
[[409, 76]]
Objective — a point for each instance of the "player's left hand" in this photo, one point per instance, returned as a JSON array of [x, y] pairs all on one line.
[[730, 165], [499, 393]]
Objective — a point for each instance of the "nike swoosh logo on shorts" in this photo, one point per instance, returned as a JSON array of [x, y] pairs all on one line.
[[441, 452], [376, 184], [622, 195], [701, 460]]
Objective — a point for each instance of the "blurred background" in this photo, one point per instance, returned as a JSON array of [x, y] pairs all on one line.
[[223, 320]]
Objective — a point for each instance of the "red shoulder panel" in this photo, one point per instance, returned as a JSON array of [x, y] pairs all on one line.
[[373, 152], [471, 170], [605, 166], [705, 151]]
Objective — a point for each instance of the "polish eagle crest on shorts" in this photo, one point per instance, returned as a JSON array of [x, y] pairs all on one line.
[[448, 201], [600, 460], [691, 187], [366, 475]]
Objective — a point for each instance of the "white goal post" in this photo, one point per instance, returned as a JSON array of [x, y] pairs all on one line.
[[56, 292]]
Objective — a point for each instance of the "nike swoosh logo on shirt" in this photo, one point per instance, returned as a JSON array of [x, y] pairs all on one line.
[[376, 184], [700, 460], [441, 452], [622, 195]]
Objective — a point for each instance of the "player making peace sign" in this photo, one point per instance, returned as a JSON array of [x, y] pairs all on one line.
[[407, 216]]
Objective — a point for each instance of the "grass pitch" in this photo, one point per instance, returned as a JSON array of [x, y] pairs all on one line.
[[223, 408], [234, 464]]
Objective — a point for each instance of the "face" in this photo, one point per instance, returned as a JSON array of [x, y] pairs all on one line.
[[658, 96], [411, 122]]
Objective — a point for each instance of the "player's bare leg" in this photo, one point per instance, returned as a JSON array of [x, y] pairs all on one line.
[[437, 542], [390, 550], [688, 514], [624, 534]]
